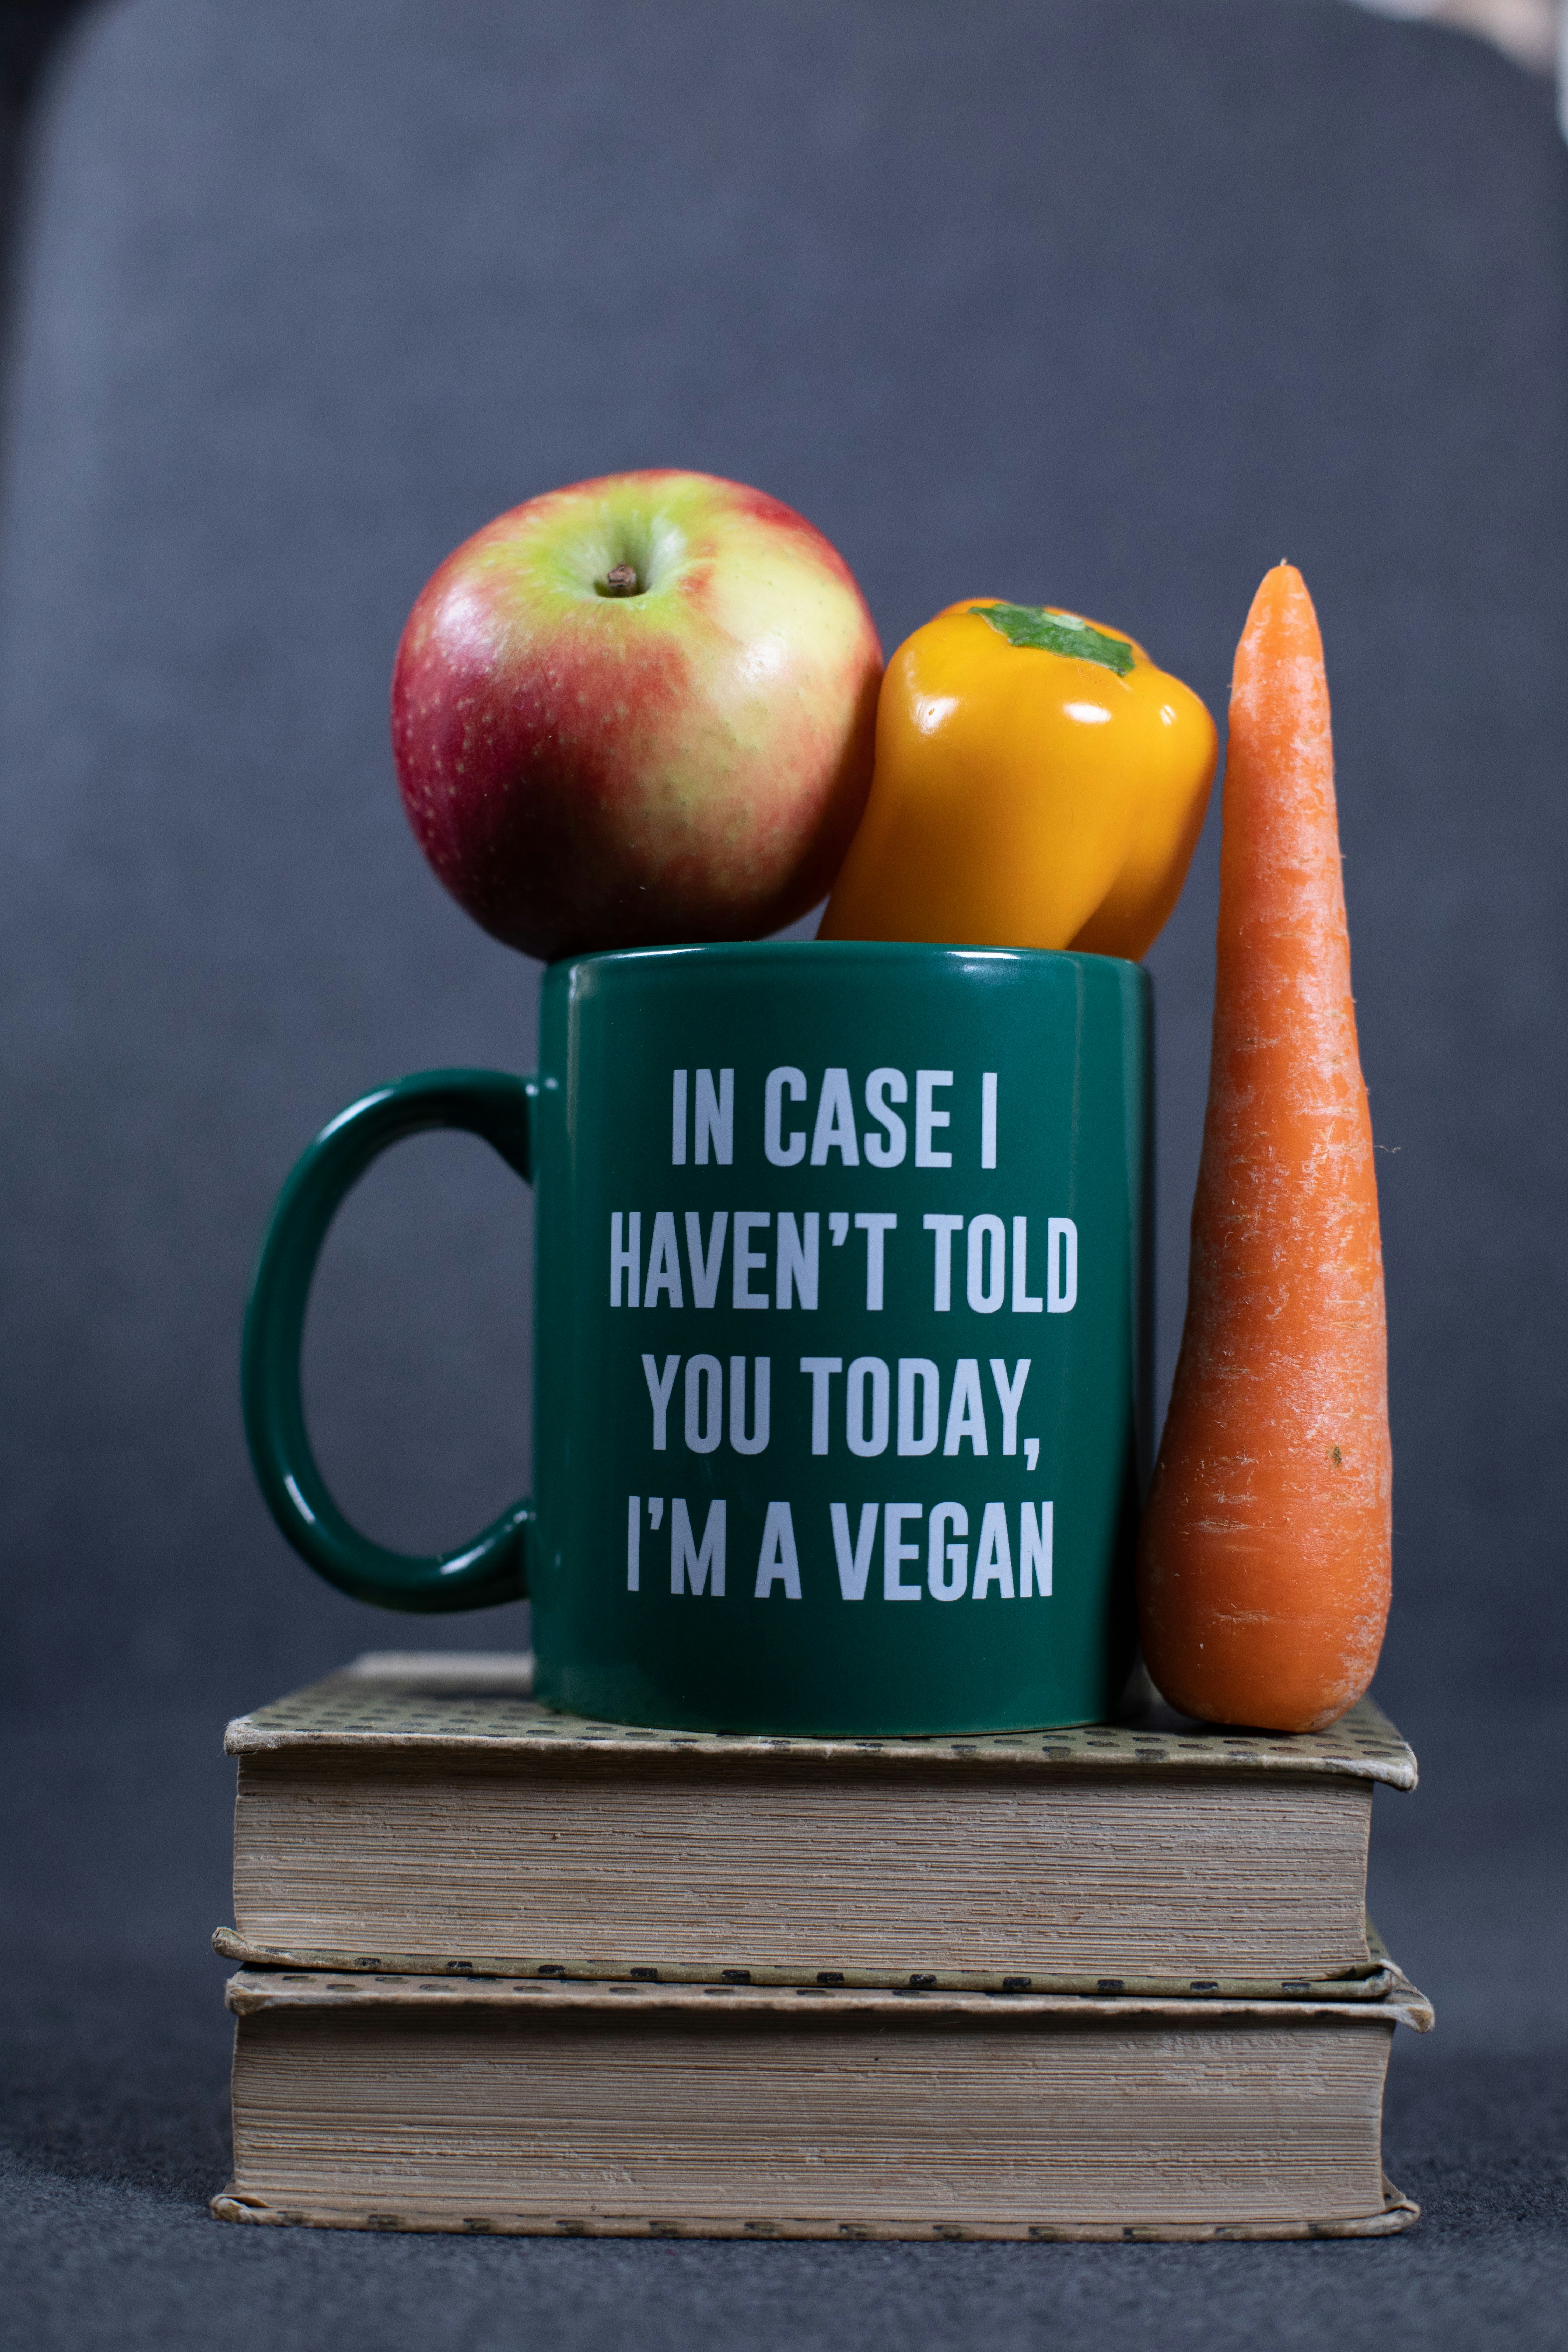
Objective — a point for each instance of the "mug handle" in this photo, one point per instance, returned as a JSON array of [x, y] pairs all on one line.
[[493, 1567]]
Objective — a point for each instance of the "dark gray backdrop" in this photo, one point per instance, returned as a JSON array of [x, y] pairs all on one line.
[[1111, 303]]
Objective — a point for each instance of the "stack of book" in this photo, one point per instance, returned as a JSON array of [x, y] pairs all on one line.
[[503, 1969]]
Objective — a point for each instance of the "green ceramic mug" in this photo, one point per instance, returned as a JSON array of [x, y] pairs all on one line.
[[842, 1306]]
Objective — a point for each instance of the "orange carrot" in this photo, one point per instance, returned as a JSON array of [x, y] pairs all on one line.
[[1263, 1560]]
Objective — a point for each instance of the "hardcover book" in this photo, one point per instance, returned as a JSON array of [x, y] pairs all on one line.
[[416, 1814], [542, 2106]]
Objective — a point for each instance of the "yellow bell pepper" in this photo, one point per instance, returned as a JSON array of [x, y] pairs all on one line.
[[1039, 784]]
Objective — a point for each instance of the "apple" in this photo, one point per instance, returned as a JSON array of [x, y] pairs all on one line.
[[638, 711]]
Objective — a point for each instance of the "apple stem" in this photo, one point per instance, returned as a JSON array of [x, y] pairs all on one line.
[[622, 581]]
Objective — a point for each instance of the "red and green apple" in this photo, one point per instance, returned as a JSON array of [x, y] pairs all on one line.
[[637, 711]]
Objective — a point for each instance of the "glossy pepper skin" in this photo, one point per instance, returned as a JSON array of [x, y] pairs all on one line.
[[1023, 796]]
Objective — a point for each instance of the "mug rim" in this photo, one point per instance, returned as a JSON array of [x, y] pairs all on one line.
[[887, 952]]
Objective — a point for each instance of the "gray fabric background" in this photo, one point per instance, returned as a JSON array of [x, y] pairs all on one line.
[[1113, 302]]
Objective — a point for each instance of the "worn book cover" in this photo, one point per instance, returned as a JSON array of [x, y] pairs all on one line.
[[418, 1813], [545, 2106]]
